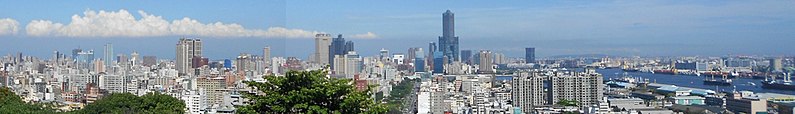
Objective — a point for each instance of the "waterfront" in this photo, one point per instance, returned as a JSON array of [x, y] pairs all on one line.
[[741, 84], [694, 81]]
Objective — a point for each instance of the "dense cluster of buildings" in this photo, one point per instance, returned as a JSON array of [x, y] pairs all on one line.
[[451, 80]]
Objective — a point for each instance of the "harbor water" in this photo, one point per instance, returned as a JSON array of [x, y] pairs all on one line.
[[739, 84]]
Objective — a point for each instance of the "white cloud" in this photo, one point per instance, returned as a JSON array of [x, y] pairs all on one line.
[[8, 26], [368, 35], [123, 24]]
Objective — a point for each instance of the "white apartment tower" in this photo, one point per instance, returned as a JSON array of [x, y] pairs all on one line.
[[187, 49], [322, 42], [547, 87], [485, 65]]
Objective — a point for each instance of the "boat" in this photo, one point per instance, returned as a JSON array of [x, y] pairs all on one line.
[[716, 73], [631, 69], [785, 84], [782, 85], [718, 82], [669, 72]]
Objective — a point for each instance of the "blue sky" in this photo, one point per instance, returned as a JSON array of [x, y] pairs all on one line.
[[625, 28]]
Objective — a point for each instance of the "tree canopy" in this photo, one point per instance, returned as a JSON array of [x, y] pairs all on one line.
[[151, 103], [309, 92], [564, 102], [10, 103]]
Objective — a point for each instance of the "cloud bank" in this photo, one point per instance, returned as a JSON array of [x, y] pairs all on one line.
[[8, 26], [368, 35], [123, 24]]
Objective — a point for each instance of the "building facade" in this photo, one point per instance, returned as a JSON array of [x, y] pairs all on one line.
[[322, 42], [539, 88], [448, 42], [187, 49]]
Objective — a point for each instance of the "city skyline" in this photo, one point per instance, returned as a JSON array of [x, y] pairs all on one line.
[[406, 57], [554, 28]]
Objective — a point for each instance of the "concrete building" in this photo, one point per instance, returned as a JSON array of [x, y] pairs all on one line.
[[538, 88], [749, 105], [186, 50], [195, 101], [486, 65], [266, 54], [349, 65], [108, 55], [113, 83], [398, 58], [214, 87], [322, 42], [688, 100]]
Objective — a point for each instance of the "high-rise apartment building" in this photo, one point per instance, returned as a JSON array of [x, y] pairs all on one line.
[[347, 66], [486, 65], [187, 49], [448, 42], [108, 57], [549, 87], [322, 42], [266, 54]]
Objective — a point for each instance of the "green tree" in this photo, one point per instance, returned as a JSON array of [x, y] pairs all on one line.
[[565, 102], [128, 103], [10, 103], [309, 92]]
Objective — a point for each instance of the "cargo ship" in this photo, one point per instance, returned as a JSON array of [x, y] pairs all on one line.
[[782, 85], [669, 72], [785, 84], [716, 73], [631, 69], [718, 82]]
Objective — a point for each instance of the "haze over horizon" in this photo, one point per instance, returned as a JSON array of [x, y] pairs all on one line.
[[623, 28]]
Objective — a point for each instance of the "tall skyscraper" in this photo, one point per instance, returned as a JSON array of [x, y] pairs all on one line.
[[322, 42], [383, 54], [485, 65], [108, 55], [187, 49], [411, 55], [339, 47], [430, 56], [466, 56], [266, 54], [135, 58], [448, 42], [419, 61], [438, 63], [530, 55], [75, 53]]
